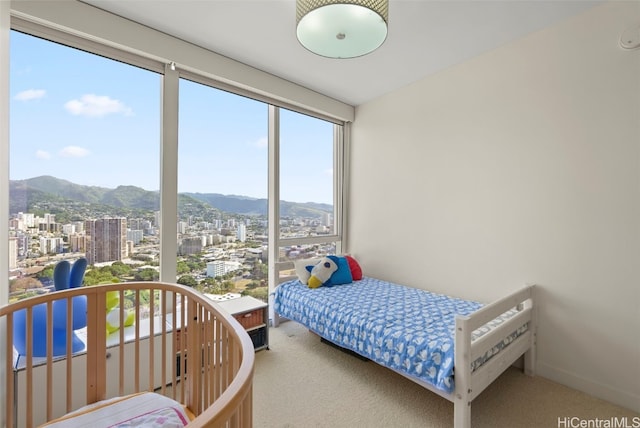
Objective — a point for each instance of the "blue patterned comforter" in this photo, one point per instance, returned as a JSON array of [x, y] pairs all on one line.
[[407, 329]]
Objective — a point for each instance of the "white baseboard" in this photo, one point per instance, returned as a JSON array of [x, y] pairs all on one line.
[[621, 398]]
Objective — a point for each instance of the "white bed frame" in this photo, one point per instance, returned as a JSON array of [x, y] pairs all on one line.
[[468, 384]]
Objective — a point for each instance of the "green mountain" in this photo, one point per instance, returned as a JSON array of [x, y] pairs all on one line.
[[40, 192], [54, 195], [254, 206], [64, 189]]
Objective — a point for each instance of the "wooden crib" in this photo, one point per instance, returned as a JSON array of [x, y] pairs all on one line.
[[181, 348]]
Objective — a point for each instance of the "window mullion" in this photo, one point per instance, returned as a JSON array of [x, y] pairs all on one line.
[[337, 184], [274, 198], [343, 149], [169, 175], [4, 155]]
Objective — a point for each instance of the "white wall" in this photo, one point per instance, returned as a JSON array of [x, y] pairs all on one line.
[[521, 165]]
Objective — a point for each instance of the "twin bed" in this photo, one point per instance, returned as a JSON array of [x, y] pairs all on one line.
[[451, 346], [136, 376]]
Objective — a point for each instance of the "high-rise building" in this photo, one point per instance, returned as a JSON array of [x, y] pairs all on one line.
[[16, 224], [51, 245], [22, 241], [190, 245], [77, 242], [326, 219], [241, 233], [68, 229], [135, 223], [79, 226], [135, 236], [28, 219], [47, 223], [218, 268], [106, 239], [13, 253]]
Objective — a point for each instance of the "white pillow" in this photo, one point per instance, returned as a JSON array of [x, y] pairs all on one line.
[[301, 268]]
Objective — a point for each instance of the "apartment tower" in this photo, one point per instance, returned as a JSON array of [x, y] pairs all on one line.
[[106, 239]]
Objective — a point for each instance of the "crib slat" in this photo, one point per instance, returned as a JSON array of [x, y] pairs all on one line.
[[29, 368], [207, 359], [137, 343], [96, 349], [183, 350], [163, 310], [49, 368], [121, 347], [218, 360], [9, 370], [151, 339], [69, 359]]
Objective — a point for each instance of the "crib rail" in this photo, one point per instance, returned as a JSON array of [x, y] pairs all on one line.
[[180, 344]]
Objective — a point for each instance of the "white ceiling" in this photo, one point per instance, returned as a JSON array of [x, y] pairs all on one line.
[[424, 37]]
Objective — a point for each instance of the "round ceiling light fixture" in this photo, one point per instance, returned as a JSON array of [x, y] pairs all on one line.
[[342, 29]]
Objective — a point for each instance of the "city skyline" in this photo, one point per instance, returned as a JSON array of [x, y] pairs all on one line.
[[95, 121]]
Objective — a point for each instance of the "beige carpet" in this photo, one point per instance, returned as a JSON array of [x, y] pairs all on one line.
[[303, 383]]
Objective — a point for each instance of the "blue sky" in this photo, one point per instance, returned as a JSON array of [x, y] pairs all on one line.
[[94, 121]]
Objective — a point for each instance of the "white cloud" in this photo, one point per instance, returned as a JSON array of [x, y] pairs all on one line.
[[92, 105], [41, 154], [74, 152], [328, 172], [30, 94], [262, 143]]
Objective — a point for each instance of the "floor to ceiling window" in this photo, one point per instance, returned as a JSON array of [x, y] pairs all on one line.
[[84, 165], [222, 182], [307, 182], [86, 161]]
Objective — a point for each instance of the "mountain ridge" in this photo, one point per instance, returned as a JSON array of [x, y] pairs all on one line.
[[47, 190]]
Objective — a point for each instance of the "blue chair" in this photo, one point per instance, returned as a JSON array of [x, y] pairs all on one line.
[[64, 277]]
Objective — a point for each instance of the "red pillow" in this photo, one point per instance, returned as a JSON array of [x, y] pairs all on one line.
[[354, 266]]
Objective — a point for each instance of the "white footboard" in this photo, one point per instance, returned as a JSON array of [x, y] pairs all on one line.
[[469, 384]]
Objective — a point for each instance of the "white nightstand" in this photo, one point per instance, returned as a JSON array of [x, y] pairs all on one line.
[[253, 315]]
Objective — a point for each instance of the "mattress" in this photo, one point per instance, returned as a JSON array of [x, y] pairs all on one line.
[[146, 409], [406, 329]]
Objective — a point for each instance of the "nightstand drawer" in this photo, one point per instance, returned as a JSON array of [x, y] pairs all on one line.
[[250, 319]]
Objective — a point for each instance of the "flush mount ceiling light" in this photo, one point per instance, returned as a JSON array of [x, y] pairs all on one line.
[[342, 29]]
